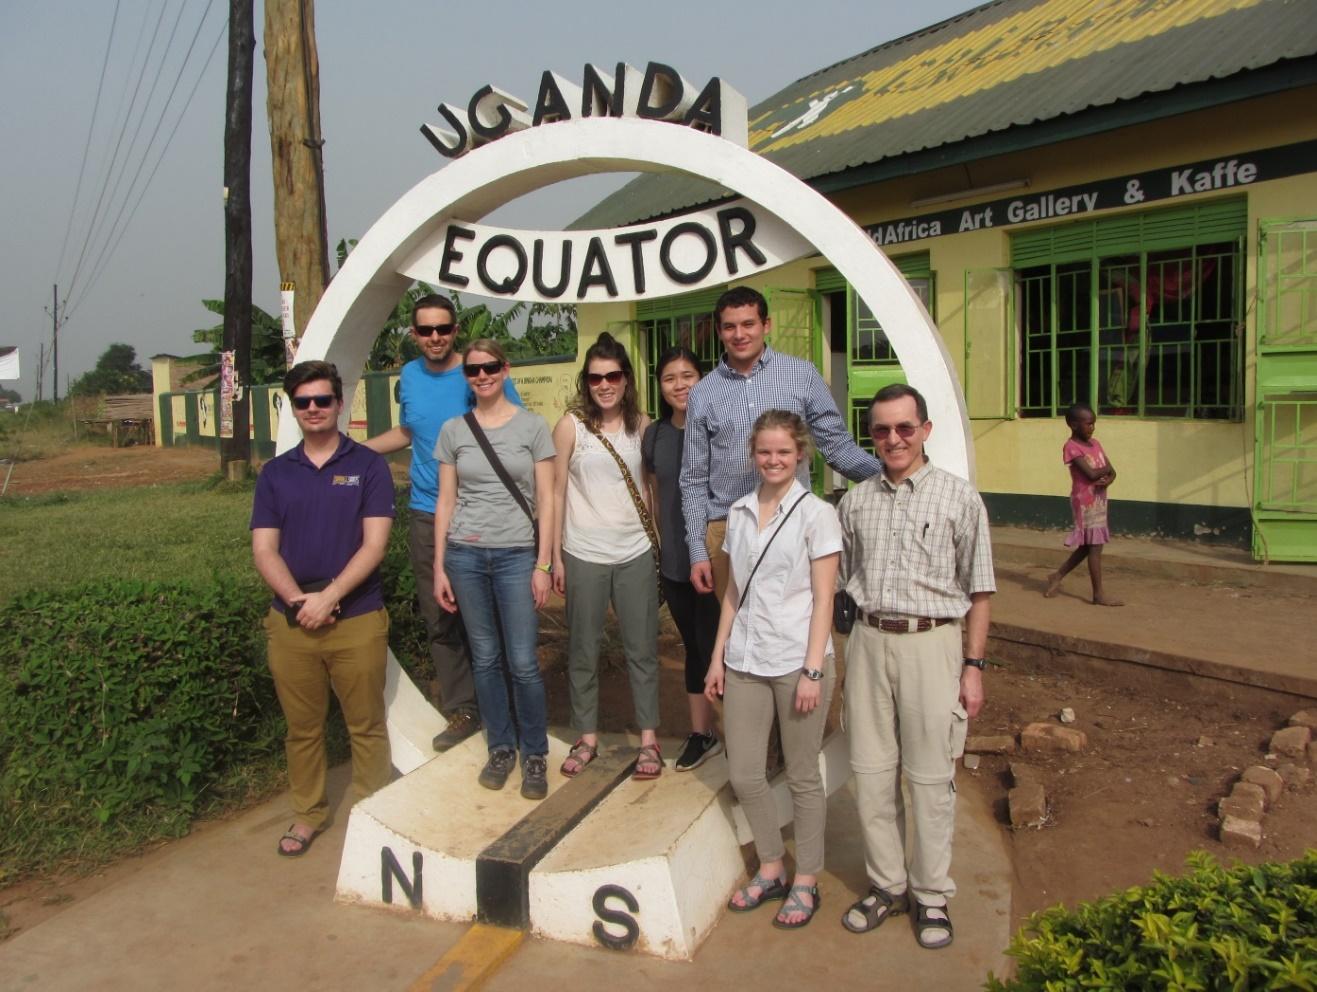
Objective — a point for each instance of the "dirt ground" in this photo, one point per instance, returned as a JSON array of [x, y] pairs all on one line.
[[1138, 800]]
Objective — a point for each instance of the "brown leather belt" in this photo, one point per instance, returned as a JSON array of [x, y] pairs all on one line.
[[912, 625]]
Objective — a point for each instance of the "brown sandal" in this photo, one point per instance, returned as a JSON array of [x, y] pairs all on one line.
[[650, 757], [578, 757]]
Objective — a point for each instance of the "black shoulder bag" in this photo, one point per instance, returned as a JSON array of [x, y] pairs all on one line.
[[502, 473]]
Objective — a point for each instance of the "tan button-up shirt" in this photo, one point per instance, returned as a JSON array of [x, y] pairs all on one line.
[[918, 548]]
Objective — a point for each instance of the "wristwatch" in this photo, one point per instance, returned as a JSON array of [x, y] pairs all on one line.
[[975, 663], [813, 674]]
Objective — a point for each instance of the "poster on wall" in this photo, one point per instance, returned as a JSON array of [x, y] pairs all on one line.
[[226, 394], [286, 295]]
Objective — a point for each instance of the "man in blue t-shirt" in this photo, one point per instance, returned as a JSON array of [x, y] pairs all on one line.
[[433, 390], [320, 524]]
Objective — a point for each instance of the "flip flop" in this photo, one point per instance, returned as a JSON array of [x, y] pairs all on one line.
[[303, 843]]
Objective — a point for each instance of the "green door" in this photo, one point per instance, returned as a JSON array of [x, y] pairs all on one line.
[[1285, 414]]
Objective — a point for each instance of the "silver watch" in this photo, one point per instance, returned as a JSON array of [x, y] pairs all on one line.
[[813, 674]]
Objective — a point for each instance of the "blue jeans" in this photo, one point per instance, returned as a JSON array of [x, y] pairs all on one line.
[[492, 587]]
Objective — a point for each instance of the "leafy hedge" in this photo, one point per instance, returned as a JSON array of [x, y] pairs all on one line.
[[129, 708], [1213, 928]]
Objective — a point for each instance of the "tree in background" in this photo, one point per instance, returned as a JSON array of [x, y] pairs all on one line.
[[550, 327], [116, 371], [12, 395], [267, 348]]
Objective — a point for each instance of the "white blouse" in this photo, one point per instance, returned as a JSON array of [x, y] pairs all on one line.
[[771, 632], [601, 523]]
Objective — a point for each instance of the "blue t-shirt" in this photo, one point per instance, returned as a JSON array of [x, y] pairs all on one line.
[[318, 513], [428, 399]]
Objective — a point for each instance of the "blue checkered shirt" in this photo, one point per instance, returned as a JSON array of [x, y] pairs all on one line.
[[716, 467]]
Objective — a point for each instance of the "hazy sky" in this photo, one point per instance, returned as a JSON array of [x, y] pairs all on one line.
[[135, 261]]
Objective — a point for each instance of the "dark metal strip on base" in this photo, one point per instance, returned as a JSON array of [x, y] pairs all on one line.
[[503, 868]]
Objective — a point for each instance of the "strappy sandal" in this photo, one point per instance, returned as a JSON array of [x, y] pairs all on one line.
[[303, 844], [649, 758], [770, 890], [875, 908], [795, 904], [925, 922], [578, 757]]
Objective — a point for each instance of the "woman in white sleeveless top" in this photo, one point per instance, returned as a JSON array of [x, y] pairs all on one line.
[[603, 553]]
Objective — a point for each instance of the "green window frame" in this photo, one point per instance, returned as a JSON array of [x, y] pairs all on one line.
[[1137, 315]]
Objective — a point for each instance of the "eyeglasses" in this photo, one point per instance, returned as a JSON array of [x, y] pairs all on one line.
[[322, 400], [905, 431], [429, 330], [612, 378], [474, 369]]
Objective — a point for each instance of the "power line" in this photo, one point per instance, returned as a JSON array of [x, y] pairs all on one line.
[[69, 310], [86, 148], [114, 157], [146, 152]]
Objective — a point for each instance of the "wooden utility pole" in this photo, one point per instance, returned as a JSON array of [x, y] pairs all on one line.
[[54, 337], [292, 71], [235, 451]]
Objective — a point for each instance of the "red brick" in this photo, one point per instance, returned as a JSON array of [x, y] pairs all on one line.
[[1236, 833], [1028, 805], [1051, 737], [1269, 781], [1291, 742], [1004, 744]]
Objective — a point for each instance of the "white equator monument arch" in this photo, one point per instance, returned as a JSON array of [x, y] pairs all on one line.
[[370, 283]]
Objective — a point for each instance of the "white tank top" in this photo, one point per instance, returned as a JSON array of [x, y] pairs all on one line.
[[601, 524]]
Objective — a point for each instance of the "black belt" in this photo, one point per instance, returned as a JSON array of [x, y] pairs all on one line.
[[904, 625]]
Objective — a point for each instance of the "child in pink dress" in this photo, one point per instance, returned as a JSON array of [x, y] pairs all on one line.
[[1090, 475]]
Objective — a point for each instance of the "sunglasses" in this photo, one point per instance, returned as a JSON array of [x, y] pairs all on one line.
[[612, 378], [905, 431], [322, 400], [474, 369], [429, 330]]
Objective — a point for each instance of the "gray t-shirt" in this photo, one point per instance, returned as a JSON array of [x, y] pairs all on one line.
[[486, 512]]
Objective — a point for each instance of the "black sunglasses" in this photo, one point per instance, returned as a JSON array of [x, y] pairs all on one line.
[[429, 330], [905, 431], [473, 369], [612, 378], [322, 400]]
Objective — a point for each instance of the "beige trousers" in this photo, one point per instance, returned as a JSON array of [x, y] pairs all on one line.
[[749, 704], [904, 720], [350, 657]]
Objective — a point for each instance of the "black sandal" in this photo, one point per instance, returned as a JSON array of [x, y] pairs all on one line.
[[795, 904], [924, 922], [303, 843], [875, 908], [770, 889]]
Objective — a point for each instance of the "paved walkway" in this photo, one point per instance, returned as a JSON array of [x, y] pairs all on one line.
[[219, 910]]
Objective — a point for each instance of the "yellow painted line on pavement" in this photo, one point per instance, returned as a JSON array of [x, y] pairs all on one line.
[[470, 962]]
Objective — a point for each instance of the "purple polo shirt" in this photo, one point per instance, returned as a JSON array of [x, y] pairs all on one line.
[[318, 513]]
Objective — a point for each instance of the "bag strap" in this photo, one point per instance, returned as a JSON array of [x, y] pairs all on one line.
[[646, 520], [497, 465], [764, 554]]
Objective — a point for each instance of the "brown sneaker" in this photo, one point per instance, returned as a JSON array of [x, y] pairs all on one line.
[[461, 725]]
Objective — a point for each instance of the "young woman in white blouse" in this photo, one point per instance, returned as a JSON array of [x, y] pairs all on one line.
[[773, 655], [605, 552]]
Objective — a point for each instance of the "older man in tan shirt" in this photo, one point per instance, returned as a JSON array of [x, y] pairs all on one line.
[[917, 560]]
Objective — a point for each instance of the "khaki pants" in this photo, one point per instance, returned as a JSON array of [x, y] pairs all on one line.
[[715, 532], [904, 720], [749, 705], [350, 656]]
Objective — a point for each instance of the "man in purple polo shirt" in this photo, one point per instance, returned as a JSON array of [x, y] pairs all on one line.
[[320, 524]]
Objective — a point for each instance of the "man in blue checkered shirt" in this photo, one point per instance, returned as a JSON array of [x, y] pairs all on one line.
[[716, 468]]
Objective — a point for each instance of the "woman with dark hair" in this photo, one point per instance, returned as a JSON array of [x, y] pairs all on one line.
[[694, 613], [604, 550]]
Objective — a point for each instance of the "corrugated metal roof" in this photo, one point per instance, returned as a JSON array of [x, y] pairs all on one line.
[[1006, 64]]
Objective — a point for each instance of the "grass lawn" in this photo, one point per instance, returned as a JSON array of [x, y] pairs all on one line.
[[182, 531]]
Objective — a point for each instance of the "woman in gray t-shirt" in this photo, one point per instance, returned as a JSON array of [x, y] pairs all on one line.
[[492, 561]]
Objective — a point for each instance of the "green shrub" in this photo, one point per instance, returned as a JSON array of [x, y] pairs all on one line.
[[1213, 928], [123, 700], [406, 626]]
